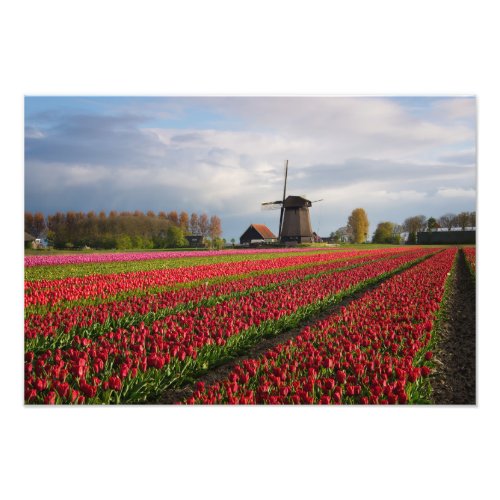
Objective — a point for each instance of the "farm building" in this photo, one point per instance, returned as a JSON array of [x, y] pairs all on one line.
[[446, 238], [258, 232], [195, 241]]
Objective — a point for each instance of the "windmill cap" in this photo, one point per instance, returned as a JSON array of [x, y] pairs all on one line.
[[297, 201]]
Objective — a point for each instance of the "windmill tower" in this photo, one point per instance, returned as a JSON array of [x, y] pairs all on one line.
[[295, 221]]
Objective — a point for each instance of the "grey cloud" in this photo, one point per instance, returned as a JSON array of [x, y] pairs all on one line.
[[406, 175], [91, 140], [185, 138], [465, 158]]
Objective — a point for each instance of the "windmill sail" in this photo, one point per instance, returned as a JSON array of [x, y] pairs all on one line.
[[283, 204]]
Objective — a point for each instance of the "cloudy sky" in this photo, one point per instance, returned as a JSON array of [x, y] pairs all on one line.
[[393, 156]]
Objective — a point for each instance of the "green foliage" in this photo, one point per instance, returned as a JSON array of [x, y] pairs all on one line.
[[217, 243], [384, 233], [124, 230], [123, 242], [357, 225], [432, 224], [175, 238]]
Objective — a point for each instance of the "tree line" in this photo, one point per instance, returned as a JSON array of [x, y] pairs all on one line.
[[448, 221], [356, 230], [122, 230]]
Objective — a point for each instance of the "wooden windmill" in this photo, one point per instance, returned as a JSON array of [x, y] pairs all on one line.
[[295, 221]]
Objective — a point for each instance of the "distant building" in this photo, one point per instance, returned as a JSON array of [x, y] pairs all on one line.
[[195, 241], [257, 233], [446, 237]]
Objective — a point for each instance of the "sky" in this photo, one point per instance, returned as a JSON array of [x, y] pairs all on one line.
[[393, 156]]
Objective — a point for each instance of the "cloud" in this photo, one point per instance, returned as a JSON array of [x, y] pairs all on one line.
[[460, 158], [33, 133], [457, 193], [227, 157], [455, 108]]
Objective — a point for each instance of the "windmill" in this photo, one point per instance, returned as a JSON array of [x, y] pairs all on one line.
[[295, 221]]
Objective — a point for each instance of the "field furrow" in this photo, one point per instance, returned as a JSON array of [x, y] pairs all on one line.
[[374, 351]]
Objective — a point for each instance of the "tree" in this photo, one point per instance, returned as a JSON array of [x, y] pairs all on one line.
[[39, 225], [28, 223], [175, 237], [447, 220], [463, 220], [194, 226], [357, 225], [472, 219], [214, 227], [341, 235], [384, 233], [413, 225], [173, 217], [432, 224], [203, 225], [184, 221]]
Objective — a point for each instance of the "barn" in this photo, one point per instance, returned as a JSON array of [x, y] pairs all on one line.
[[258, 232]]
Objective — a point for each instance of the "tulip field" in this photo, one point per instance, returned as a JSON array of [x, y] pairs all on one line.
[[133, 328]]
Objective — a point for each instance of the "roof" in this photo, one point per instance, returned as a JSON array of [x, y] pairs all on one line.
[[297, 201], [263, 230], [28, 237]]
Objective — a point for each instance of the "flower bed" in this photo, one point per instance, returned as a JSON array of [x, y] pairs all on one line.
[[372, 351]]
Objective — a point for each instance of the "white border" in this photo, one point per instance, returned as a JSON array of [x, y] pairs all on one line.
[[230, 48]]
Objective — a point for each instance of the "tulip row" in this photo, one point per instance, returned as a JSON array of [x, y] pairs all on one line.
[[470, 259], [81, 270], [51, 292], [226, 273], [137, 363], [374, 351], [92, 258], [62, 324]]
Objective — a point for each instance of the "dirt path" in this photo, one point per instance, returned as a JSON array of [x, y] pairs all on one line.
[[454, 381]]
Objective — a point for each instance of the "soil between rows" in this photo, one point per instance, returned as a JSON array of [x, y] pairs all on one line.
[[219, 373], [454, 381]]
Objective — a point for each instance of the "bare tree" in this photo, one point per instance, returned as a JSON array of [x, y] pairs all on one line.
[[447, 220], [415, 223], [463, 219], [215, 228], [194, 225], [203, 225], [173, 217], [472, 219]]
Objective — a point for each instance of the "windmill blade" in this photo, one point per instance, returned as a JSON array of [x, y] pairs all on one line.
[[283, 203], [270, 206], [279, 202], [315, 201]]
